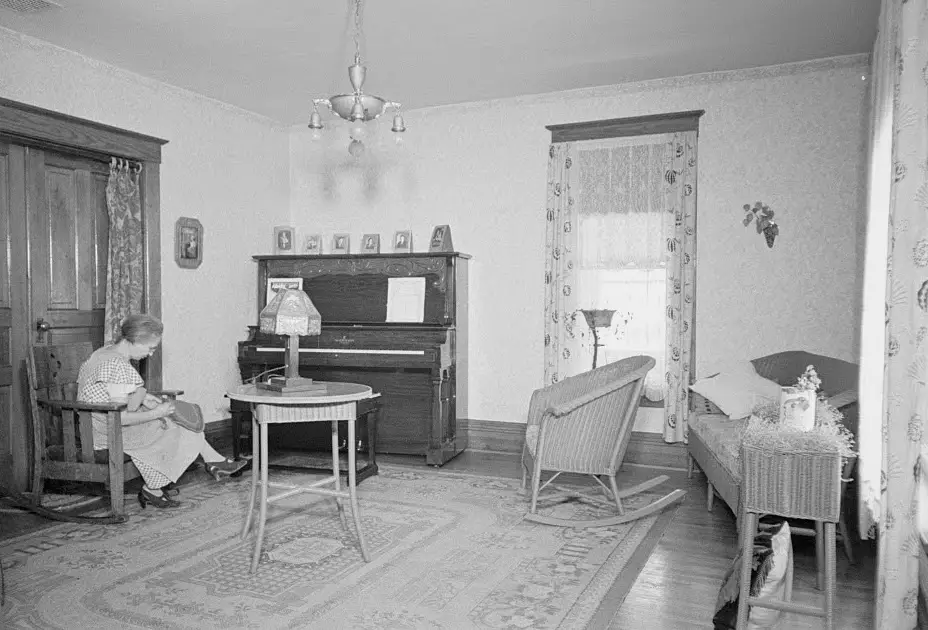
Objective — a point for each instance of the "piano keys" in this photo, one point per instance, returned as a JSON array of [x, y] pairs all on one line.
[[418, 368]]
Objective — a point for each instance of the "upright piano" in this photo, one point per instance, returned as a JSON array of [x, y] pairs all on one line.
[[418, 367]]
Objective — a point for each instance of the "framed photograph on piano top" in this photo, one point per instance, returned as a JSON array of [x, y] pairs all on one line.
[[312, 244], [402, 242], [284, 239], [341, 244], [370, 244]]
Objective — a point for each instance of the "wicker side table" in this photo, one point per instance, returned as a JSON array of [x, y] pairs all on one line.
[[803, 485]]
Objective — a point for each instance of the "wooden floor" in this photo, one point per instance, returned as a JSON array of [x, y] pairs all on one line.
[[677, 588]]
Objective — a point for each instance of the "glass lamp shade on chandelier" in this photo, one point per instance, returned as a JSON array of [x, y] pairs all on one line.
[[357, 107]]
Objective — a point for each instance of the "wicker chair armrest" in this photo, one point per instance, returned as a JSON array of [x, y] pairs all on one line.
[[843, 399], [567, 407], [77, 405]]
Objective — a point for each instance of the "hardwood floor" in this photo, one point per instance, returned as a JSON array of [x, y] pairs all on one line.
[[678, 586]]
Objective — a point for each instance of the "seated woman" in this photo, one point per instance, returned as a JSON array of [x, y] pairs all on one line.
[[159, 448]]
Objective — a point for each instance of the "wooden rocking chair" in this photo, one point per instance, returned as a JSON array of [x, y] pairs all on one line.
[[62, 435], [582, 425]]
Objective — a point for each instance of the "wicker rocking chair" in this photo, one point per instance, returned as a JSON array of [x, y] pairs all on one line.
[[582, 425]]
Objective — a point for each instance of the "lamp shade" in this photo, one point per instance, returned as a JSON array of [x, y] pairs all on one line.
[[291, 312]]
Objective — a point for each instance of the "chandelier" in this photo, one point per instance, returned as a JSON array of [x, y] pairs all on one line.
[[356, 107]]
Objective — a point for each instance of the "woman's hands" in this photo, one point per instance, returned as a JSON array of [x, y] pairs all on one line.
[[160, 411]]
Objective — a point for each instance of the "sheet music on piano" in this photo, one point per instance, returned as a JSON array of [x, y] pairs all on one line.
[[406, 300]]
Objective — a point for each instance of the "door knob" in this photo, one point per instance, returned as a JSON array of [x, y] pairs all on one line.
[[41, 327]]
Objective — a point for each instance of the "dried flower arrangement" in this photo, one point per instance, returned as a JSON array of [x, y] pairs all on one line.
[[809, 380], [829, 435], [762, 216]]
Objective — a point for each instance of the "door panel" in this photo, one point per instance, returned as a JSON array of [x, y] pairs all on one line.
[[53, 232], [69, 245]]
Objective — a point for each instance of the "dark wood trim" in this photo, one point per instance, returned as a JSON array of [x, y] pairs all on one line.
[[498, 437], [42, 127], [672, 122], [219, 435], [36, 127], [922, 610], [507, 437], [150, 183]]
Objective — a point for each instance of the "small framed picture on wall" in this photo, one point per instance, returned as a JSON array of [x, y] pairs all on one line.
[[370, 244], [402, 242], [188, 243], [312, 244], [284, 239], [341, 244]]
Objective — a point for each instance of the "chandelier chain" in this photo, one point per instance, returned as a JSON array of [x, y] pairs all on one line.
[[358, 12]]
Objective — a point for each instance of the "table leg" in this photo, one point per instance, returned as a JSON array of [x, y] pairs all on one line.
[[749, 528], [254, 474], [829, 575], [352, 491], [263, 513], [819, 556], [338, 476]]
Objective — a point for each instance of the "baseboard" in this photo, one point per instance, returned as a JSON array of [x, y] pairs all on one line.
[[648, 449], [219, 435]]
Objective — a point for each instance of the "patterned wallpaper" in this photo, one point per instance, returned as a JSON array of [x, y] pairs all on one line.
[[791, 136]]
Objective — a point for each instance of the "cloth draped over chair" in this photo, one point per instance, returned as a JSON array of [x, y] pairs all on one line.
[[894, 370], [125, 261], [623, 204]]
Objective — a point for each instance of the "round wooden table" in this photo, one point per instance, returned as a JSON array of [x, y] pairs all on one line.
[[337, 403]]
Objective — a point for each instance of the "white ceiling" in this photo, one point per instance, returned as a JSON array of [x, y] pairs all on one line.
[[273, 56]]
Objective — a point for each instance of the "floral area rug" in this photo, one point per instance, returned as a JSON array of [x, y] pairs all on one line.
[[449, 551]]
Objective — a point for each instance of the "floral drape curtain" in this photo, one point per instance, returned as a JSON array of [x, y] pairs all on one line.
[[567, 342], [630, 219], [125, 269], [680, 203], [901, 81]]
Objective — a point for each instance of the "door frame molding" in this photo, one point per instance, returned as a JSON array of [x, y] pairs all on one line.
[[46, 129]]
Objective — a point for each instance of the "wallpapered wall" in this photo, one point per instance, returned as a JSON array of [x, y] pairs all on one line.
[[791, 136], [223, 166]]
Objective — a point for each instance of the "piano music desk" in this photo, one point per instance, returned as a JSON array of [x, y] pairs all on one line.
[[338, 404]]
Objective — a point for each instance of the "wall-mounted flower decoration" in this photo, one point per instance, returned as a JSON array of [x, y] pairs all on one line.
[[762, 216]]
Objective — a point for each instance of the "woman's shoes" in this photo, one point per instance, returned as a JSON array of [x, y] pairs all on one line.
[[160, 501], [171, 489], [224, 469]]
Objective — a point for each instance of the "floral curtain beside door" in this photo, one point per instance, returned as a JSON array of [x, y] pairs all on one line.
[[660, 199], [124, 269]]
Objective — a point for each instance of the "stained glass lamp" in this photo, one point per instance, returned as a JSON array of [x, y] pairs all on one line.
[[291, 313]]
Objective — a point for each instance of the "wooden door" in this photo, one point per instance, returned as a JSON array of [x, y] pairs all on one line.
[[53, 208]]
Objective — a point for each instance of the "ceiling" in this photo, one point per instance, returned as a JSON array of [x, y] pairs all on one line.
[[273, 57]]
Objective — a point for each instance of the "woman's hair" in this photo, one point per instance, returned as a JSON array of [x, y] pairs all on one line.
[[141, 327]]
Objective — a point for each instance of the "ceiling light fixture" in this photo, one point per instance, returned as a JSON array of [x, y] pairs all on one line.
[[357, 107]]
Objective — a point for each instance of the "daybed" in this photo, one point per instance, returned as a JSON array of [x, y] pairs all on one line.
[[715, 438]]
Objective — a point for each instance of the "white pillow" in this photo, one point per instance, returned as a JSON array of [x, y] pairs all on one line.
[[737, 393]]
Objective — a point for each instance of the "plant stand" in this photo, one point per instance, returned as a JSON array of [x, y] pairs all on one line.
[[799, 485]]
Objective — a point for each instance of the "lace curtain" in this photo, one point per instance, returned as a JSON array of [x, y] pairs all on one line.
[[124, 269], [899, 362], [621, 235]]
